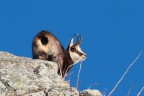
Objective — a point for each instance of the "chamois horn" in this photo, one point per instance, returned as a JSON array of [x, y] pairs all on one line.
[[79, 39]]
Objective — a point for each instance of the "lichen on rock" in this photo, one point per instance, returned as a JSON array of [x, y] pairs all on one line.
[[21, 76], [89, 92]]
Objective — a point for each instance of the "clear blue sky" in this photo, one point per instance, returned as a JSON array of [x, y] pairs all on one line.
[[112, 31]]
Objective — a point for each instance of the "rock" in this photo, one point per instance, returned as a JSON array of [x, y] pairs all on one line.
[[89, 92], [20, 76]]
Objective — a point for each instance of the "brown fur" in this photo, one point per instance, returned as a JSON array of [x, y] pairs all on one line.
[[46, 46], [51, 51]]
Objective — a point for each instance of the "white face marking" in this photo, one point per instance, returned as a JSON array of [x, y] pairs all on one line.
[[76, 57]]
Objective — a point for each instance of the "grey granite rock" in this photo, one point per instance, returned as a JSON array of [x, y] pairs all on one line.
[[90, 92], [20, 76]]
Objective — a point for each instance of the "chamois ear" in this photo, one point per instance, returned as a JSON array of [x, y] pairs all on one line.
[[70, 44]]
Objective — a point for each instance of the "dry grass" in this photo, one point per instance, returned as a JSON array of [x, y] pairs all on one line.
[[140, 91], [78, 75], [124, 74]]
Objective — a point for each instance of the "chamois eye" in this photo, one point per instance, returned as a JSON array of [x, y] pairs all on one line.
[[73, 49]]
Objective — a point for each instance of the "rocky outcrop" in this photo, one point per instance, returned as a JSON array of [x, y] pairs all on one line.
[[20, 76], [89, 92]]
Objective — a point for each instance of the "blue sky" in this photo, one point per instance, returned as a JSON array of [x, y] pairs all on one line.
[[112, 31]]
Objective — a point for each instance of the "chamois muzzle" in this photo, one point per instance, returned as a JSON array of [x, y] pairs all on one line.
[[79, 39]]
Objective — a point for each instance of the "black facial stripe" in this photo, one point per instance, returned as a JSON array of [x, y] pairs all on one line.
[[79, 53]]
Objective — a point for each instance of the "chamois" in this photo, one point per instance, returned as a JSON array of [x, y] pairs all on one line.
[[46, 46]]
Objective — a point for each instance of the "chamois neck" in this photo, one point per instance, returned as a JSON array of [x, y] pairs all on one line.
[[67, 64], [68, 58]]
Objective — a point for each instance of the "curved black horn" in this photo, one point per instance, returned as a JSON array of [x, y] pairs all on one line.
[[80, 39], [77, 37]]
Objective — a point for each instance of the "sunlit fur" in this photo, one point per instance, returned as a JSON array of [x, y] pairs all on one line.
[[46, 46], [75, 56]]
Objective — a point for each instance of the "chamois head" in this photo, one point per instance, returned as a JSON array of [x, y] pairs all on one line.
[[75, 51]]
